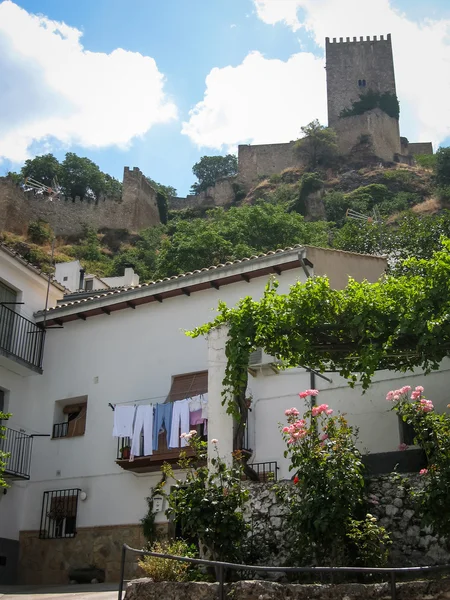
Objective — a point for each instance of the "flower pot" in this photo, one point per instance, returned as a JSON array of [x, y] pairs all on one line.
[[125, 453]]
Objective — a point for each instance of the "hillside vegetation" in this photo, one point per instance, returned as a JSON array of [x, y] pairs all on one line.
[[293, 207]]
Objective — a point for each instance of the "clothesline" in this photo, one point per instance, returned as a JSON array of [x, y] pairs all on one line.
[[186, 394]]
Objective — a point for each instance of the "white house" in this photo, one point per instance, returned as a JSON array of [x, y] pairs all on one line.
[[74, 278], [127, 347], [24, 289]]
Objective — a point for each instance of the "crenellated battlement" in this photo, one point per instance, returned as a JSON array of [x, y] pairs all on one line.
[[361, 39]]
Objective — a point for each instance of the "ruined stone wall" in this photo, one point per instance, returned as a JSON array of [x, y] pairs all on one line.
[[136, 210], [349, 64], [382, 129], [420, 148], [221, 194], [264, 160]]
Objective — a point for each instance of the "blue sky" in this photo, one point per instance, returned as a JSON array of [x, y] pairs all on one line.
[[266, 59]]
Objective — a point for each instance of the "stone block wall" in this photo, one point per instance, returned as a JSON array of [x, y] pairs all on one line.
[[221, 194], [264, 160], [49, 561], [136, 210], [382, 129], [420, 148]]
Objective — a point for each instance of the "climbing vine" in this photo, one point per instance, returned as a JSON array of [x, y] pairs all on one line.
[[397, 323], [387, 102]]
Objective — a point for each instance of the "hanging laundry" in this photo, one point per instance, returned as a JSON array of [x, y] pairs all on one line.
[[123, 421], [199, 402], [204, 400], [162, 421], [143, 423], [180, 419]]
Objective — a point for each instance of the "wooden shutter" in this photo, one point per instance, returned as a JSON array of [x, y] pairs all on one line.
[[189, 384]]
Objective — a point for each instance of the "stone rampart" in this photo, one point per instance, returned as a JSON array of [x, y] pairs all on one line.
[[257, 162], [136, 209], [221, 194]]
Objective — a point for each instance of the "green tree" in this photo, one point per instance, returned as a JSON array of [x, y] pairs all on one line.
[[81, 177], [42, 168], [142, 255], [443, 166], [211, 168], [318, 147]]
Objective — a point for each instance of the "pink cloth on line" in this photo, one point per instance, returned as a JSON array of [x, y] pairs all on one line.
[[195, 417]]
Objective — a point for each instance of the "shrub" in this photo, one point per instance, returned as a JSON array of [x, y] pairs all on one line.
[[39, 232], [165, 569], [386, 101], [428, 161], [208, 504], [432, 434], [443, 166], [327, 519]]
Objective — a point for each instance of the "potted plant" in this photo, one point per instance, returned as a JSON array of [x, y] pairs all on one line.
[[125, 452]]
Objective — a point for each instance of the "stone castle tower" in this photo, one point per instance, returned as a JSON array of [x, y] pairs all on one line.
[[354, 67]]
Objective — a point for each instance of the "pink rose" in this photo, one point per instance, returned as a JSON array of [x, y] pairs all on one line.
[[303, 394], [423, 471], [419, 389], [329, 411], [285, 429], [405, 389], [315, 411], [415, 395], [403, 446], [324, 437], [390, 396]]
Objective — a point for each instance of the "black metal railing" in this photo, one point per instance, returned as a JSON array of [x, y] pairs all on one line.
[[390, 574], [123, 448], [60, 430], [17, 445], [21, 338], [266, 471], [59, 514]]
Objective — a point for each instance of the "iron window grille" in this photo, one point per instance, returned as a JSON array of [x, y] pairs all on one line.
[[59, 514]]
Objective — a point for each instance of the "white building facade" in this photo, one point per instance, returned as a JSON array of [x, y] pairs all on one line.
[[128, 347]]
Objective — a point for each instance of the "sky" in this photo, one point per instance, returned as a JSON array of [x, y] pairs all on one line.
[[157, 84]]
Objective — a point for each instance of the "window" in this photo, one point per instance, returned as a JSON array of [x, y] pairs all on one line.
[[59, 514], [7, 295], [89, 285], [361, 83], [70, 417], [407, 433], [65, 278]]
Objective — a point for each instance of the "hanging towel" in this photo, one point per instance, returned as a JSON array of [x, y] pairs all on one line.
[[180, 419], [199, 402], [143, 423], [163, 420], [204, 401], [123, 421]]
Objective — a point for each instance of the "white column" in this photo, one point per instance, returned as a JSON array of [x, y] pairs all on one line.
[[220, 424]]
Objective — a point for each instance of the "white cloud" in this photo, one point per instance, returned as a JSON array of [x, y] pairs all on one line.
[[421, 52], [53, 88], [260, 101]]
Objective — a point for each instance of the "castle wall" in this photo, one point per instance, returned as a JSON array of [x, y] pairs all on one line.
[[136, 210], [420, 148], [382, 128], [264, 160], [220, 194], [349, 62]]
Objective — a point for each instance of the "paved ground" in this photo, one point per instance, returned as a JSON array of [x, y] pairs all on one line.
[[101, 591]]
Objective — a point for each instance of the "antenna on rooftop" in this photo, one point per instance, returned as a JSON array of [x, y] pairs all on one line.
[[53, 192], [357, 216]]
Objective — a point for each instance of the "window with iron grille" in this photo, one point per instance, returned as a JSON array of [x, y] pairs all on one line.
[[70, 417], [59, 514]]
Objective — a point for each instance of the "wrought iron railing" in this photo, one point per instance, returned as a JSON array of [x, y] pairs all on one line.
[[266, 471], [59, 514], [18, 447], [60, 430], [389, 574], [21, 338]]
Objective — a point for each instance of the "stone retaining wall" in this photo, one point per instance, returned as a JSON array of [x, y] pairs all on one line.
[[145, 589]]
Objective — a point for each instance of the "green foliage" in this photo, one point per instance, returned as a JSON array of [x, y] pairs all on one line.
[[318, 147], [165, 569], [39, 232], [210, 169], [326, 506], [89, 248], [163, 206], [432, 434], [16, 178], [43, 168], [386, 101], [3, 455], [208, 502], [77, 176], [428, 161], [397, 323], [443, 166]]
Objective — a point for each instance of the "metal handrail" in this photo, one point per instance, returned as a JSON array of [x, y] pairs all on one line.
[[21, 338], [221, 568], [17, 445]]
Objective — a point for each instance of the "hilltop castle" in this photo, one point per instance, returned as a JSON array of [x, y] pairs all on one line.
[[362, 108]]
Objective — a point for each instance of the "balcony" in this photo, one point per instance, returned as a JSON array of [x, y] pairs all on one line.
[[148, 464], [18, 445], [21, 339]]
